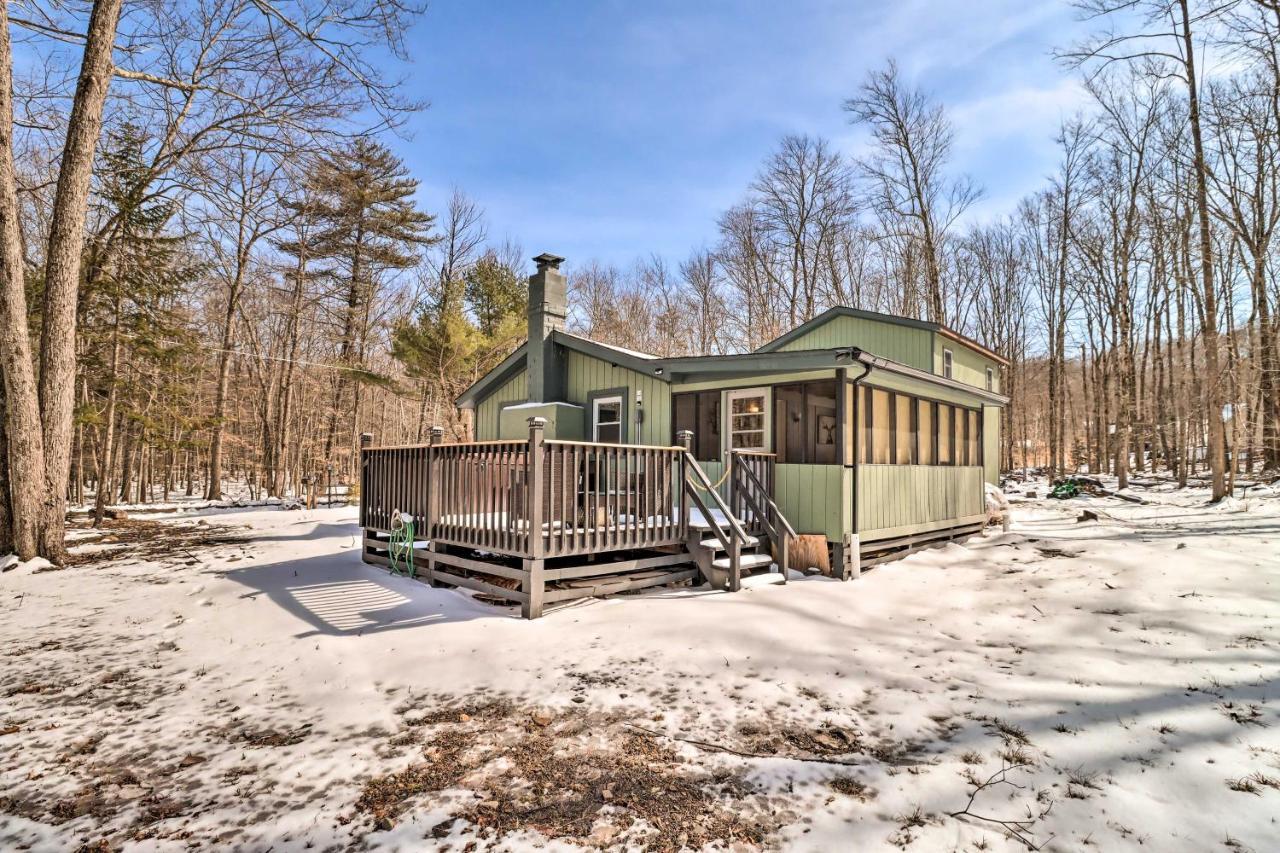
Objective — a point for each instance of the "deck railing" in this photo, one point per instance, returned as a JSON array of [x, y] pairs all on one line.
[[751, 482], [477, 496], [533, 498], [608, 497]]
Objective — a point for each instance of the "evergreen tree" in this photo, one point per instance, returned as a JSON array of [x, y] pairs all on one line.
[[138, 361], [367, 225], [497, 296], [467, 328]]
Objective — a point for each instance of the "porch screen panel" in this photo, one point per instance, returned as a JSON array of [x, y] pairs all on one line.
[[975, 438], [945, 435], [700, 413], [904, 430], [707, 434], [880, 435], [850, 426], [924, 431], [789, 424], [821, 434], [684, 415], [864, 424]]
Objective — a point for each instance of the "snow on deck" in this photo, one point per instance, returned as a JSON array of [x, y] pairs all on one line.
[[241, 694]]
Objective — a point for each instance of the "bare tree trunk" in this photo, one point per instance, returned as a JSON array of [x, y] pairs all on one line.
[[22, 405], [62, 271], [6, 510], [213, 491], [107, 449], [1209, 322]]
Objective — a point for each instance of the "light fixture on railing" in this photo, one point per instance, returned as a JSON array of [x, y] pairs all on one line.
[[639, 405]]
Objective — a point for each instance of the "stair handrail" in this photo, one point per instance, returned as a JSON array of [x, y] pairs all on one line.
[[732, 541], [771, 504], [772, 518], [734, 524]]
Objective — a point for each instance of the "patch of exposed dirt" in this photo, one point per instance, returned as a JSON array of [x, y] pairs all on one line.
[[133, 538], [575, 776]]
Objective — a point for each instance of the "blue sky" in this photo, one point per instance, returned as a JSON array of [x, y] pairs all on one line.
[[611, 130]]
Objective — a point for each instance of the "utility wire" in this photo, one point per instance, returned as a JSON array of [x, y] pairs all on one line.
[[260, 357]]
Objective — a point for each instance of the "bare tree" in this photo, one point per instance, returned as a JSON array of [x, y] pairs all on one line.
[[249, 211], [701, 276], [1173, 32], [908, 173]]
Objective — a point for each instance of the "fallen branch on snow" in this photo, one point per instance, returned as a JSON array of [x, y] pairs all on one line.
[[1018, 830]]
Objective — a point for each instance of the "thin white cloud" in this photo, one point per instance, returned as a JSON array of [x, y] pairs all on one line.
[[1026, 111]]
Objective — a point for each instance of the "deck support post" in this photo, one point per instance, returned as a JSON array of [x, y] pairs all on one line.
[[534, 584], [685, 438], [430, 574], [851, 562], [784, 552], [366, 441], [428, 518]]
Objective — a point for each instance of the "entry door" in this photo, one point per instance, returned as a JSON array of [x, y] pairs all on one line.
[[746, 419]]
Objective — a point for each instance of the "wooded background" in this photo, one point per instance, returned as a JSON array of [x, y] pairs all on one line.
[[214, 271]]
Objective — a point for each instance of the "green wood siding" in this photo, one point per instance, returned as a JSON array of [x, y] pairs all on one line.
[[752, 380], [584, 374], [814, 498], [514, 390], [904, 344], [967, 365], [897, 500], [991, 443]]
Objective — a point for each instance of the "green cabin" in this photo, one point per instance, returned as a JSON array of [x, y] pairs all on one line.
[[882, 430]]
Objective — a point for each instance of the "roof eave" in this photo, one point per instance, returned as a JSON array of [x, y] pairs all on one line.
[[843, 311], [877, 363], [757, 362], [507, 368], [607, 353]]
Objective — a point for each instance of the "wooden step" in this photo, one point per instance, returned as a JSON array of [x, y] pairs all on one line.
[[747, 561], [699, 522], [714, 543]]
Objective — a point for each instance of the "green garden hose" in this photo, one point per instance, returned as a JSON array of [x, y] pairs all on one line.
[[401, 546]]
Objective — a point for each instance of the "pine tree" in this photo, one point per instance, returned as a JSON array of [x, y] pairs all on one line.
[[467, 329], [497, 296], [367, 225], [134, 274]]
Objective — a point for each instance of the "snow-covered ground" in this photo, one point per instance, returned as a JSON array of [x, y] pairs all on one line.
[[243, 681]]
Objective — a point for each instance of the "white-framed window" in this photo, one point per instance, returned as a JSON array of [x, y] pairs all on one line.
[[606, 417], [747, 419], [947, 358], [991, 379]]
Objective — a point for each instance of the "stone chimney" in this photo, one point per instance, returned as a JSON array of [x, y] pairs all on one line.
[[548, 304]]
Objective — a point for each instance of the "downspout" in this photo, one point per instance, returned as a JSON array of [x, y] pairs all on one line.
[[855, 354]]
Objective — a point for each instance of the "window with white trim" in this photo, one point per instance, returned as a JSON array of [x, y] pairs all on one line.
[[947, 358], [991, 379], [607, 417], [747, 411]]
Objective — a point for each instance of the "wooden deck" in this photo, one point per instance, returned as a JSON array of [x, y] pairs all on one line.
[[538, 521]]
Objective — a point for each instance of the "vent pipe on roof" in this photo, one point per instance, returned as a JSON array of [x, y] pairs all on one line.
[[548, 305]]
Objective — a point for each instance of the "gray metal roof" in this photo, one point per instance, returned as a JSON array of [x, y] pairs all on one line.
[[845, 311], [696, 367]]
